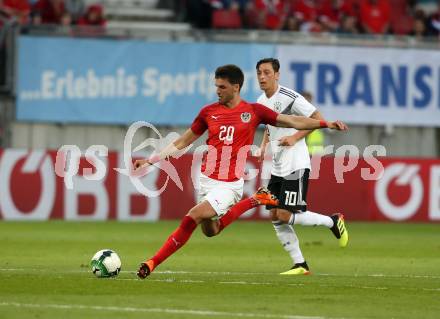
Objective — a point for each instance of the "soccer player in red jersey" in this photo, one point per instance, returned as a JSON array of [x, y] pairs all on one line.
[[231, 123]]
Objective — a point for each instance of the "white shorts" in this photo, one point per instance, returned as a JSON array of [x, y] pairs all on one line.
[[221, 195]]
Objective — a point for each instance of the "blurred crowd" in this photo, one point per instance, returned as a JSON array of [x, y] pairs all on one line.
[[53, 12], [400, 17]]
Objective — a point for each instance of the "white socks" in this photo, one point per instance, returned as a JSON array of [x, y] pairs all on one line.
[[287, 235], [289, 240], [309, 218]]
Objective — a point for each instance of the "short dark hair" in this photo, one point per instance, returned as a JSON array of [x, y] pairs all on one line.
[[230, 72], [275, 63], [307, 95]]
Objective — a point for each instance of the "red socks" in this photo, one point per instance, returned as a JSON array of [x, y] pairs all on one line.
[[181, 235], [177, 239], [236, 211]]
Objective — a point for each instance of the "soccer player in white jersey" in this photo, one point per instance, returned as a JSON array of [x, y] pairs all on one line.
[[291, 167], [231, 123]]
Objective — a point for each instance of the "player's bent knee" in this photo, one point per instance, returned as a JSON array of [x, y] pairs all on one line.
[[201, 212], [210, 228], [284, 215], [209, 233], [194, 213], [273, 214]]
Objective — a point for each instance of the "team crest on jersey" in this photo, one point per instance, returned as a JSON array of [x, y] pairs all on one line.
[[277, 106], [245, 117]]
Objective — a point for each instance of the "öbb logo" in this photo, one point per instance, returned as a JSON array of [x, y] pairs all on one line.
[[405, 190]]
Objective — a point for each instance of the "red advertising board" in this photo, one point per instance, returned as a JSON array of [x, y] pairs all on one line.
[[400, 190]]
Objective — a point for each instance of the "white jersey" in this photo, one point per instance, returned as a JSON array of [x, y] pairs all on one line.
[[287, 159]]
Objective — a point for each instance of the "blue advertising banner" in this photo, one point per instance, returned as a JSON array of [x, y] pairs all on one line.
[[367, 85], [122, 81]]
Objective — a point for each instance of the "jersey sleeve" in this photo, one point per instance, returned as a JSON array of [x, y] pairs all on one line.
[[199, 124], [265, 114], [303, 107]]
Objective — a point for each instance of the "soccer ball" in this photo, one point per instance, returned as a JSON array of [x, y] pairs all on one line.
[[106, 263]]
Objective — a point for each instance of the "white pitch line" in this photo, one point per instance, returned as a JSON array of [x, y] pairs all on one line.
[[406, 276], [173, 280], [229, 273], [431, 289], [186, 281], [17, 269], [164, 272], [158, 310], [262, 283], [314, 274], [384, 276]]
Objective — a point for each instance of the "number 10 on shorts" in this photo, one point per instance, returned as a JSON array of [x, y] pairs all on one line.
[[290, 198]]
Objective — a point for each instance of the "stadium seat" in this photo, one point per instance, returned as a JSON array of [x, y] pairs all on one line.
[[226, 19], [399, 6], [402, 24], [402, 21]]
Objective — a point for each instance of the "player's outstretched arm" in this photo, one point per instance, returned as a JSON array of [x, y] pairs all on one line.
[[305, 123], [186, 139], [262, 150], [291, 140], [183, 141]]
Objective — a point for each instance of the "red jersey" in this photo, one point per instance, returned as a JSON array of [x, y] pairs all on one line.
[[230, 134]]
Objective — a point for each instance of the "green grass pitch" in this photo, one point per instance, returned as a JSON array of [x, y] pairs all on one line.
[[388, 271]]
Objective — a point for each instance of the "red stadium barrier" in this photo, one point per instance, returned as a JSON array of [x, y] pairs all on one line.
[[409, 190]]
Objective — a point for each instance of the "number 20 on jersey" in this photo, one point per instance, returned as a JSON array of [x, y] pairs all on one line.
[[226, 134]]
